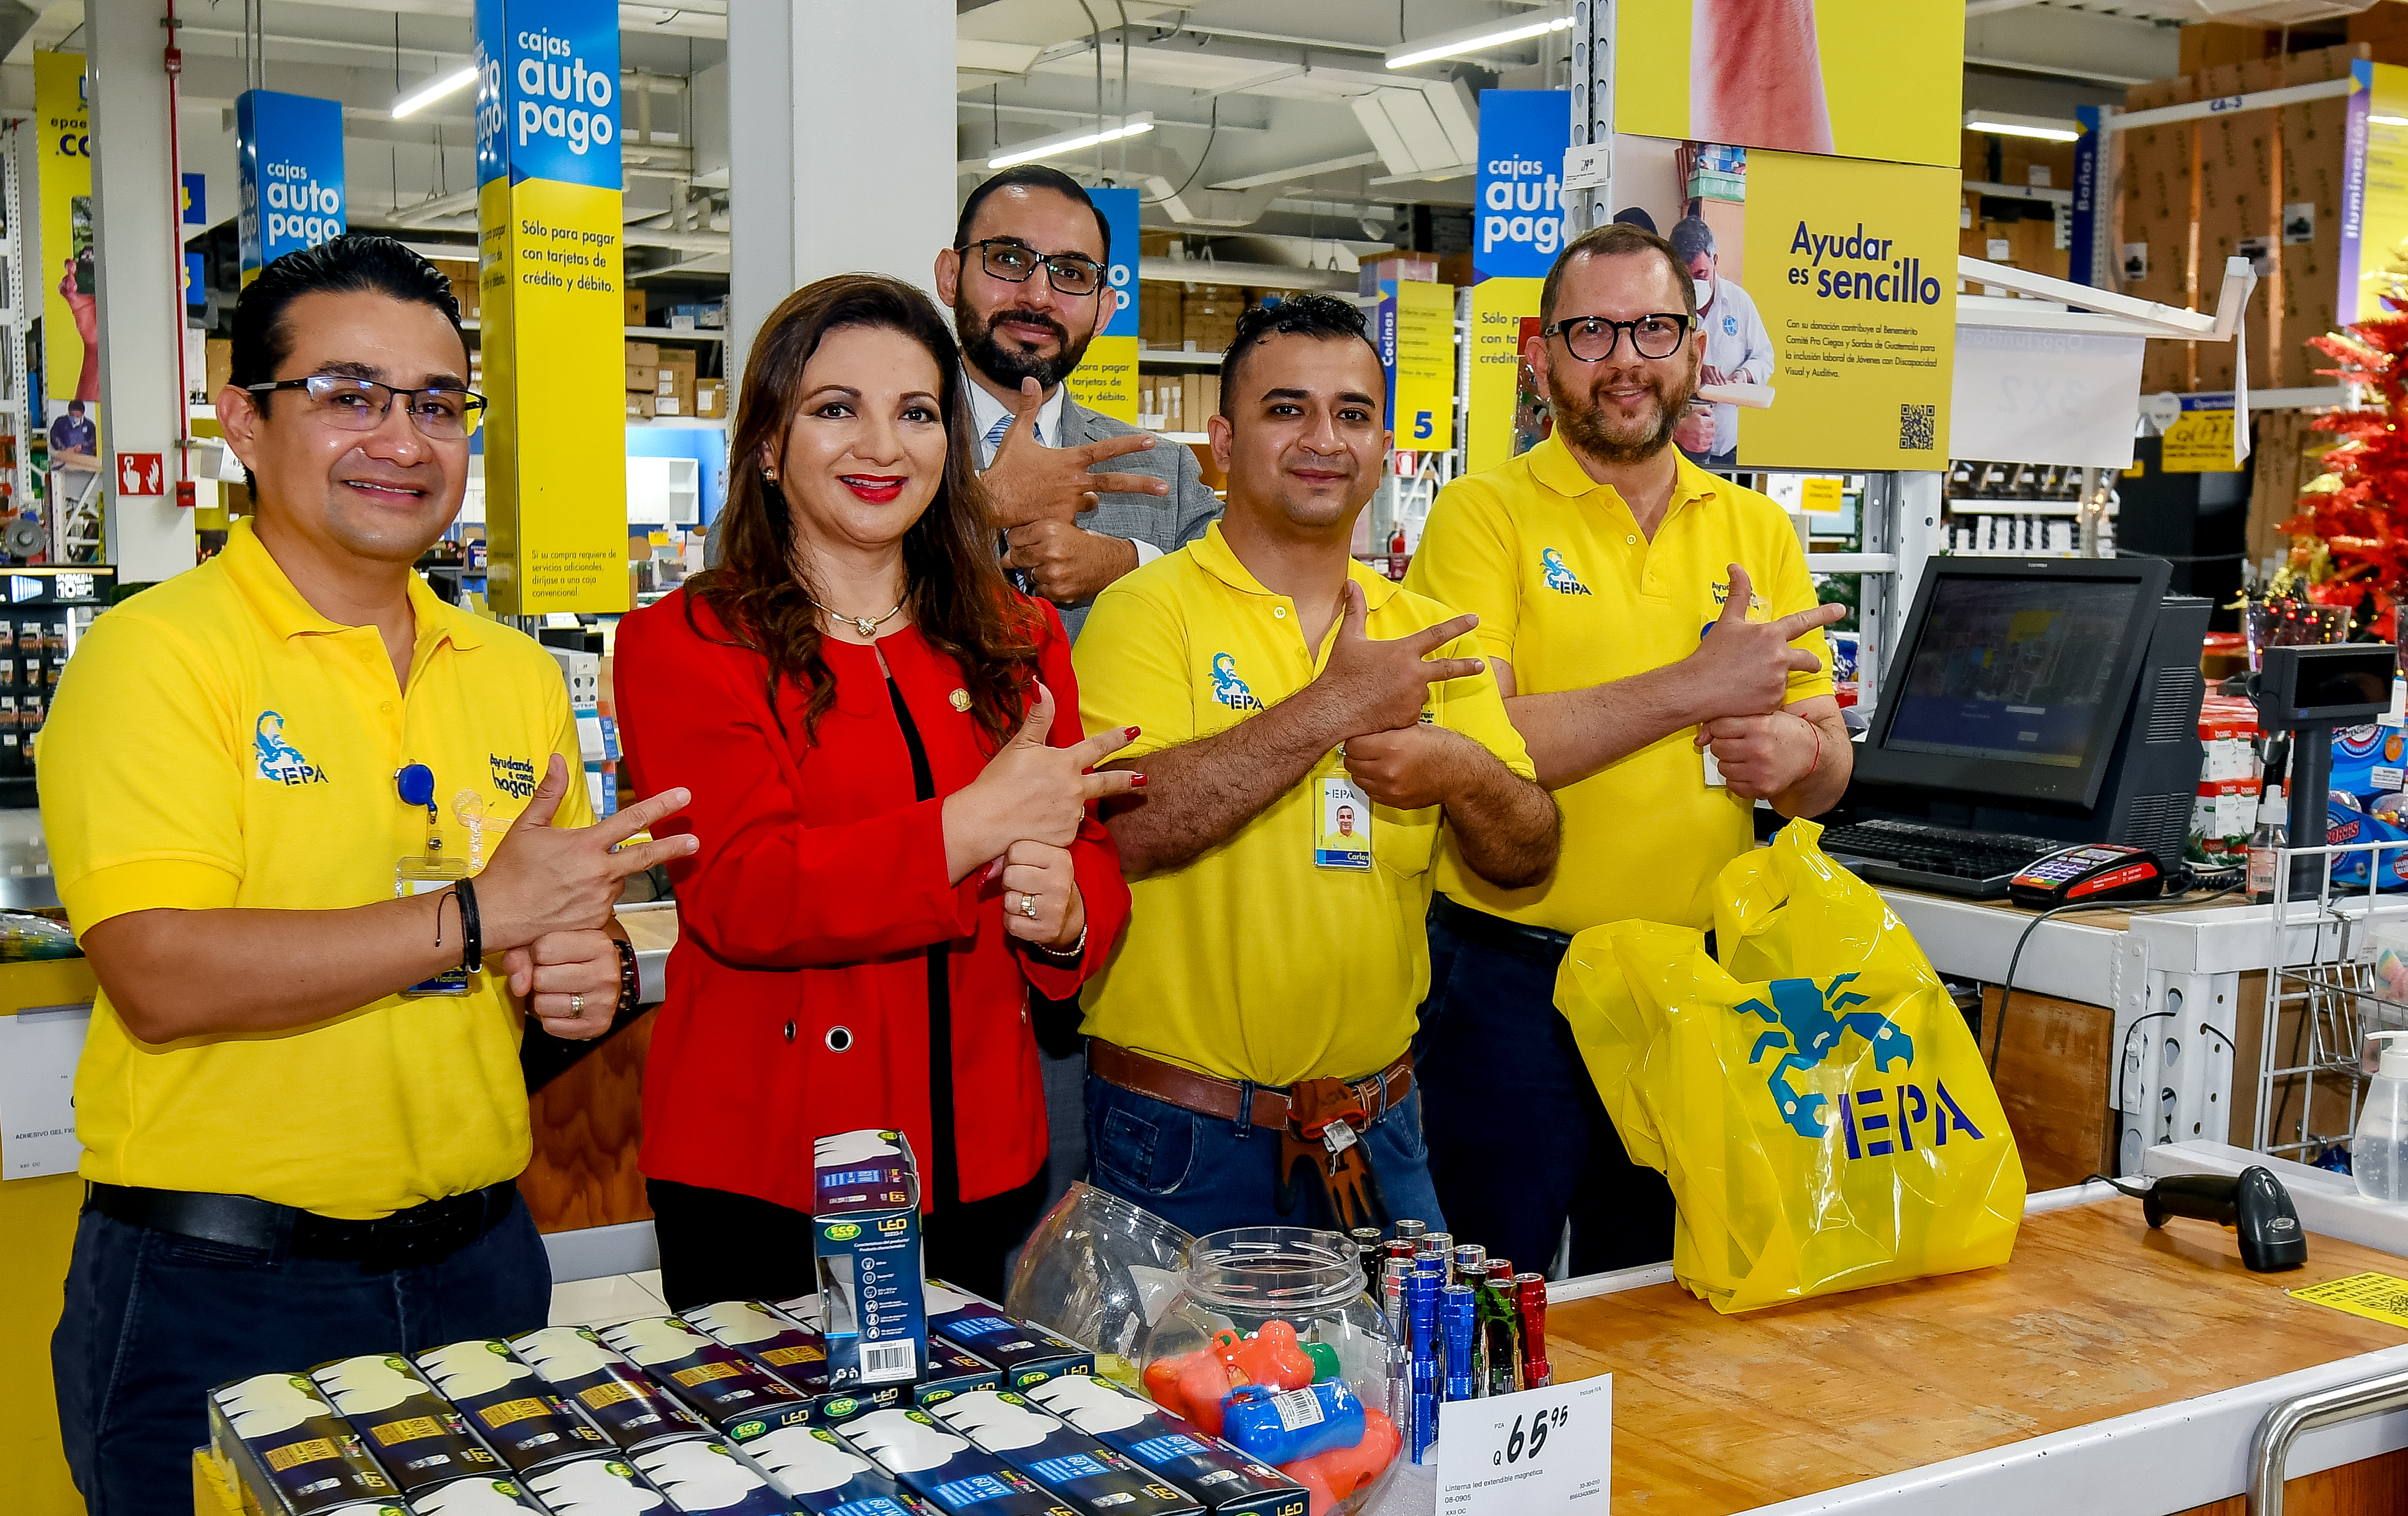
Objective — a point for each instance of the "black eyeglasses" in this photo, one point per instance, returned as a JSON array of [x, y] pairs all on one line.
[[358, 405], [1592, 338], [1069, 272]]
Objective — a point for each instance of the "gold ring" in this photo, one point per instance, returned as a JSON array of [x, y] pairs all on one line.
[[576, 1005], [1028, 906]]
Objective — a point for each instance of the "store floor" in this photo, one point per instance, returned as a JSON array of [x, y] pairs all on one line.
[[609, 1300]]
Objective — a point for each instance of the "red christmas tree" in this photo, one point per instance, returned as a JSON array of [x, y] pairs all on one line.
[[2349, 536]]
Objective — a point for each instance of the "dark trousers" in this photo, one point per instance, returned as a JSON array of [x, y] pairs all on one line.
[[153, 1322], [1518, 1140], [717, 1244]]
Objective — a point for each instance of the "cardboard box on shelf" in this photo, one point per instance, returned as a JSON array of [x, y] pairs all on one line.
[[676, 379], [217, 354], [634, 301], [710, 398], [643, 406], [643, 376], [643, 355]]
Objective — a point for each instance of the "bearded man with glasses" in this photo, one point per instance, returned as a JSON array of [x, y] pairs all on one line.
[[1656, 635], [300, 1100], [1025, 279]]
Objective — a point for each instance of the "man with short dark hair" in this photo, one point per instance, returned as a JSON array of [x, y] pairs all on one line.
[[1660, 693], [1247, 1042], [1737, 350], [1025, 279], [265, 786]]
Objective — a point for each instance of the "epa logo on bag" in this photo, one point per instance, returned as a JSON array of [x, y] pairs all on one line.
[[1811, 1020]]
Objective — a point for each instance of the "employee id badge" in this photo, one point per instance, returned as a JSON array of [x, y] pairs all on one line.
[[425, 875], [1342, 825], [1714, 769]]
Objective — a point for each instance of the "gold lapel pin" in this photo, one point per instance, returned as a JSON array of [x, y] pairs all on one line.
[[961, 699]]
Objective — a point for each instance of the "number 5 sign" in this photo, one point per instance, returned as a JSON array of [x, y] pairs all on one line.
[[1527, 1454]]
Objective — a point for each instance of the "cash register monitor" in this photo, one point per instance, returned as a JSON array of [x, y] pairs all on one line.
[[2048, 697]]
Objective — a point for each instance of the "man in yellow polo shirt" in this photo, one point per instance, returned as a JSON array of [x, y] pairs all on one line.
[[1644, 617], [301, 1100], [1303, 757]]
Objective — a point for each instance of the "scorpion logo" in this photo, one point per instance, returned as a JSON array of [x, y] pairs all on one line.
[[1808, 1021]]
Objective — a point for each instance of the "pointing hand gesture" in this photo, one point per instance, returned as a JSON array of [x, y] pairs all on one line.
[[1029, 481], [1370, 685], [1743, 668]]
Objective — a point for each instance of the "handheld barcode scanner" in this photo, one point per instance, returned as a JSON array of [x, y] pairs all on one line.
[[2253, 1202]]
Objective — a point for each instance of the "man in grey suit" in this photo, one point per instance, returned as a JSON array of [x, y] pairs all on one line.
[[1025, 279]]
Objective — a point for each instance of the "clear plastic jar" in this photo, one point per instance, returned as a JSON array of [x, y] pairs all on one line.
[[1249, 1279]]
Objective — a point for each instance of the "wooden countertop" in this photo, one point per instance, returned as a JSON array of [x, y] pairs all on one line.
[[2097, 1316]]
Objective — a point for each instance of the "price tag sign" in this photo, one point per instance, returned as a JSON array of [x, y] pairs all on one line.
[[2199, 441], [1528, 1454]]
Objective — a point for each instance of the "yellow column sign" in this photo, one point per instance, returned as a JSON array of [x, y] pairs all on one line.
[[1502, 420], [1425, 418], [70, 288], [550, 274]]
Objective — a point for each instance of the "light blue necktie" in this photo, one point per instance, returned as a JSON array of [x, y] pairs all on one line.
[[995, 433]]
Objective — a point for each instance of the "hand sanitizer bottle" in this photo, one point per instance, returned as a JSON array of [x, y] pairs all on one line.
[[2378, 1150]]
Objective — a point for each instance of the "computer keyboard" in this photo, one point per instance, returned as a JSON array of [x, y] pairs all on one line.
[[1949, 860]]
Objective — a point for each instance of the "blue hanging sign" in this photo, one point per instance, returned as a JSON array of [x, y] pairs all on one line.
[[1517, 220], [290, 151]]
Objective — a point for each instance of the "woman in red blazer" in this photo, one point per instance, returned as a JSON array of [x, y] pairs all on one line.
[[896, 817]]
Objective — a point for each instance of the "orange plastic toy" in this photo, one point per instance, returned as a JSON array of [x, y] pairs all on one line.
[[1331, 1477], [1272, 1356], [1192, 1385]]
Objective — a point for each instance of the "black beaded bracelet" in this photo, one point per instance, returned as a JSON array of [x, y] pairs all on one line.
[[630, 987], [472, 937]]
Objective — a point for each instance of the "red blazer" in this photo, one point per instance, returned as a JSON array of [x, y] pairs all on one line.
[[819, 883]]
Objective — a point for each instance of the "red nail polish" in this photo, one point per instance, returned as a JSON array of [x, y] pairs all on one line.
[[1129, 733], [1137, 782]]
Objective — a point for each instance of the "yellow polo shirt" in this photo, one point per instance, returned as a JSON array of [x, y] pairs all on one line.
[[218, 743], [1572, 594], [1252, 962]]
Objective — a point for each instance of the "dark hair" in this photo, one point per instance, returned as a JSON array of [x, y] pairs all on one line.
[[1691, 238], [1615, 239], [352, 264], [958, 597], [1322, 316], [1634, 216], [1033, 177]]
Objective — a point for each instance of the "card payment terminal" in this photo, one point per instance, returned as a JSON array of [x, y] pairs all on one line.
[[2099, 871]]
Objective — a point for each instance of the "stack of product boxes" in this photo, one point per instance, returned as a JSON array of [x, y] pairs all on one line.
[[662, 381], [2225, 811], [868, 1399]]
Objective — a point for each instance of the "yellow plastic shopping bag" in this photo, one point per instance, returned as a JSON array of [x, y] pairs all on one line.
[[1816, 1099]]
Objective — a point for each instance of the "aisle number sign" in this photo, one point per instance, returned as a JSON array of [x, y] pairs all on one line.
[[1105, 381], [550, 276], [1421, 371], [2199, 441]]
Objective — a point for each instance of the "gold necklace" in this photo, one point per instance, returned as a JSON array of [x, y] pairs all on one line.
[[863, 624]]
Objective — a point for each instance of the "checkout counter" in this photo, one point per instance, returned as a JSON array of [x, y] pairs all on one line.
[[2108, 1368]]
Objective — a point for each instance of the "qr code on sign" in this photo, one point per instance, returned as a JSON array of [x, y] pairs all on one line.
[[1915, 424]]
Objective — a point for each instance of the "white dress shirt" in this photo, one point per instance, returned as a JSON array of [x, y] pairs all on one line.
[[985, 410]]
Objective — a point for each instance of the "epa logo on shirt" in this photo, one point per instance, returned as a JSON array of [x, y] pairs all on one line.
[[1561, 577], [279, 759], [1227, 688]]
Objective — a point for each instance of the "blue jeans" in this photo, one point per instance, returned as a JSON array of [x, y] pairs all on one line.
[[1518, 1137], [154, 1321], [1203, 1174]]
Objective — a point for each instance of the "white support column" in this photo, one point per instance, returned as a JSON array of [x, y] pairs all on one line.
[[836, 166], [135, 214], [1592, 80]]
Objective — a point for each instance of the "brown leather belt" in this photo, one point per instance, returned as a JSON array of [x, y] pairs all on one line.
[[1208, 1095]]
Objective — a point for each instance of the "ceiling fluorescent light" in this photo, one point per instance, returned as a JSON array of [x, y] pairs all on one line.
[[1046, 147], [1473, 39], [2046, 128], [448, 84]]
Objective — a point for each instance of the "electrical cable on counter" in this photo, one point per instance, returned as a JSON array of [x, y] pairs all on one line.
[[2007, 989]]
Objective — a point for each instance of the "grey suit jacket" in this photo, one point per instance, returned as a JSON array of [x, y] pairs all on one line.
[[1167, 522]]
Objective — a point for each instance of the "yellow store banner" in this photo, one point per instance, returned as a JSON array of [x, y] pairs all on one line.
[[1504, 416], [70, 283], [1852, 266], [1860, 78], [1105, 381], [551, 271]]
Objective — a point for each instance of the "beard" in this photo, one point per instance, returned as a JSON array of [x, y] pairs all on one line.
[[1008, 364], [1581, 417]]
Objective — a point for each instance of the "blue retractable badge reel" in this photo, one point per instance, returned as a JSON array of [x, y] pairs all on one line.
[[434, 869]]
